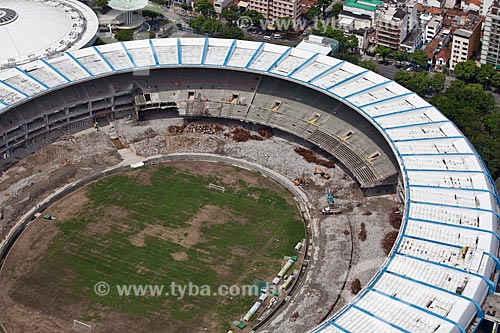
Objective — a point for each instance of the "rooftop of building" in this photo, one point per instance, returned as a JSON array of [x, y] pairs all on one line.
[[444, 53], [370, 5], [354, 15], [309, 3], [392, 13], [412, 37], [431, 48], [430, 10], [435, 22], [67, 25]]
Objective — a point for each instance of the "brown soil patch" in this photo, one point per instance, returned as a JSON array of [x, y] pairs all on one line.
[[388, 241], [395, 218], [141, 177], [66, 208], [114, 216], [187, 236], [355, 286], [179, 256]]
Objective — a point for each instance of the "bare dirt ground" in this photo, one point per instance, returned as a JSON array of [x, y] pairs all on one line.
[[335, 242], [33, 178]]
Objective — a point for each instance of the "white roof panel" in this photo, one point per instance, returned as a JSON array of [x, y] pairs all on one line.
[[166, 50], [68, 67]]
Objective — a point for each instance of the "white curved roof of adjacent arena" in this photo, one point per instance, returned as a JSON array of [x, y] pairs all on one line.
[[127, 5], [441, 267], [31, 29]]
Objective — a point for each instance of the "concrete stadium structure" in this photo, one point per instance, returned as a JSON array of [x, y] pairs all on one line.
[[444, 262]]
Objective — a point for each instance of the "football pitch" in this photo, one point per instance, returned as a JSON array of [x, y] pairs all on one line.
[[157, 226]]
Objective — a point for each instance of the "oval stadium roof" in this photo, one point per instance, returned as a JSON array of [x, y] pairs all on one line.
[[30, 29], [440, 269], [128, 5]]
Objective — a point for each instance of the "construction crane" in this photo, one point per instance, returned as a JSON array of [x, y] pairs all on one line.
[[319, 171]]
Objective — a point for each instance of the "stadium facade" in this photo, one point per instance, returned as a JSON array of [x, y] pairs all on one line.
[[444, 262]]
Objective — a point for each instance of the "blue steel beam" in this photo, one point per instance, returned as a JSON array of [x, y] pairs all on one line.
[[99, 53], [85, 69], [132, 61], [153, 51], [326, 71], [55, 70], [32, 77]]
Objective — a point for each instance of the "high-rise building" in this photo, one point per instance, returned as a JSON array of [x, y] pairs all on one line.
[[391, 26], [275, 9], [490, 52], [395, 22], [465, 41]]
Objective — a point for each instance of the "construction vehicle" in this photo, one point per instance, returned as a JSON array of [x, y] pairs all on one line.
[[299, 181], [330, 211], [319, 171], [329, 198]]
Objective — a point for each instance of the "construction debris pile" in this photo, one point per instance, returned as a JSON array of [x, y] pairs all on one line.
[[196, 127], [311, 157], [239, 134]]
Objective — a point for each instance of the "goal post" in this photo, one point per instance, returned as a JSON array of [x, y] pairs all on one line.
[[217, 187], [81, 327]]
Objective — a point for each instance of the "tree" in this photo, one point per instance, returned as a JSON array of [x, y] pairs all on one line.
[[230, 16], [151, 13], [100, 3], [204, 7], [197, 23], [485, 74], [437, 81], [400, 55], [473, 111], [417, 82], [466, 70], [254, 16], [420, 58], [211, 26], [312, 13], [283, 23], [337, 8], [495, 80], [368, 65], [124, 35], [402, 77], [383, 51], [232, 32], [350, 43]]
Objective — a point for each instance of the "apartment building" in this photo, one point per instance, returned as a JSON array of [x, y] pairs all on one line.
[[490, 52], [432, 28], [465, 40], [275, 9], [391, 27]]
